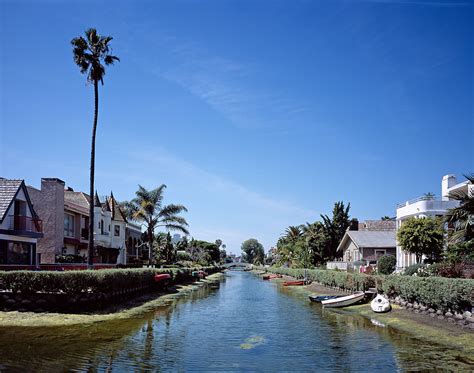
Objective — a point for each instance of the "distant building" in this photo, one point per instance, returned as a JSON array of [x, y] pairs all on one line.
[[429, 206], [20, 226]]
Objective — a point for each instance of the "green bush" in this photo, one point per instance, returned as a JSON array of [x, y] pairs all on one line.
[[96, 281], [386, 264], [411, 270], [436, 292]]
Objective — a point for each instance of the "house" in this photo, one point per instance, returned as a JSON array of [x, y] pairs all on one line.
[[20, 226], [368, 241], [429, 206], [66, 225]]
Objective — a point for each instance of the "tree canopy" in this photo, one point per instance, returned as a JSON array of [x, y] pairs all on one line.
[[253, 251]]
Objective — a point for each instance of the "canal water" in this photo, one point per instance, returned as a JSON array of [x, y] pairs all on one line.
[[245, 324]]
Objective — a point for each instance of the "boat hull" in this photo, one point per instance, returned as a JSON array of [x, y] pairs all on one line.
[[320, 298], [293, 283], [343, 301]]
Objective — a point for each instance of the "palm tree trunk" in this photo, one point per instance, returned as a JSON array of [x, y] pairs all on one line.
[[91, 190], [150, 246]]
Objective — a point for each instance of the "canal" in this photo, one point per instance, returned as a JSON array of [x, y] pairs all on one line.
[[245, 324]]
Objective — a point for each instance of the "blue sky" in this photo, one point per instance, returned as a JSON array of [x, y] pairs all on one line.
[[256, 114]]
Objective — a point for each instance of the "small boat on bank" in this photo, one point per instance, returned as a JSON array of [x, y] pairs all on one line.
[[380, 304], [161, 277], [320, 298], [344, 300], [294, 283], [271, 277], [199, 274]]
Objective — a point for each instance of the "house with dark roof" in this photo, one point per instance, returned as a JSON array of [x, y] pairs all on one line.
[[20, 226], [368, 241]]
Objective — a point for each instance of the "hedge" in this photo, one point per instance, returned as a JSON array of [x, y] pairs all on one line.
[[435, 292], [87, 281]]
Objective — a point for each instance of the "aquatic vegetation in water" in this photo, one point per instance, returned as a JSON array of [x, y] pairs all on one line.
[[252, 342]]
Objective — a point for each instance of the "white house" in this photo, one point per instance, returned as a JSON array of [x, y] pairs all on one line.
[[429, 206]]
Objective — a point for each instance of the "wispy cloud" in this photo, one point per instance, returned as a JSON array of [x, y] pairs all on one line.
[[226, 85], [248, 213]]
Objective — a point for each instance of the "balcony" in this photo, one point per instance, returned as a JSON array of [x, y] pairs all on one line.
[[24, 223]]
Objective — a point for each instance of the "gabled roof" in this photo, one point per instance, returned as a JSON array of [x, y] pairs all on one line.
[[117, 213], [77, 200], [368, 239], [8, 192]]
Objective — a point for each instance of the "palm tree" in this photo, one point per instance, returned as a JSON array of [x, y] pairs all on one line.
[[462, 217], [292, 233], [90, 53], [148, 208]]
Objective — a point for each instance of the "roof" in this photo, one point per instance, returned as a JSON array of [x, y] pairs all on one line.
[[8, 191], [376, 239], [76, 199], [117, 213], [377, 225]]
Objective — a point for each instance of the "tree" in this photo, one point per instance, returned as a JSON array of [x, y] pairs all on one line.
[[384, 218], [422, 236], [91, 54], [317, 241], [147, 207], [461, 218], [386, 264], [253, 251], [336, 227]]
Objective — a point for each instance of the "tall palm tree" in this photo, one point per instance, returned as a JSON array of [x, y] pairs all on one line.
[[462, 217], [147, 207], [90, 54]]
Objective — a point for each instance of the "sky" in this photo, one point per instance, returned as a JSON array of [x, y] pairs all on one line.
[[257, 115]]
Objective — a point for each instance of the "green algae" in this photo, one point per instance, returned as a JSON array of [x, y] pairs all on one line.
[[252, 342]]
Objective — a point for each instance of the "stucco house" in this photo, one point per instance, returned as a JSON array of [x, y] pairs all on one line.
[[368, 241], [66, 224], [429, 206], [20, 226]]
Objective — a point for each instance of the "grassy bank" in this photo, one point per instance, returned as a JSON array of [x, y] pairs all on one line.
[[131, 309], [416, 325]]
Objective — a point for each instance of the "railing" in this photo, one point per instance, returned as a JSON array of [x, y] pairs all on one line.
[[415, 200], [339, 265], [54, 267], [24, 223]]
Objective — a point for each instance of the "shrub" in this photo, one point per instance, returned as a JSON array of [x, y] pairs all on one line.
[[436, 292], [87, 281], [386, 264], [69, 258], [411, 270]]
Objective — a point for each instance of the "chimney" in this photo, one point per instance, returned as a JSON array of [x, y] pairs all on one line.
[[354, 225], [447, 182]]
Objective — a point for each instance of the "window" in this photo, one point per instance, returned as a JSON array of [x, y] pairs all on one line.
[[117, 230], [68, 225]]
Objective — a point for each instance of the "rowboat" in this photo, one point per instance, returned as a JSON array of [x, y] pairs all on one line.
[[320, 298], [199, 274], [294, 283], [162, 277], [270, 277], [380, 304], [344, 301]]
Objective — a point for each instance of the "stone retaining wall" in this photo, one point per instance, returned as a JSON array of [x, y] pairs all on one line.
[[84, 302]]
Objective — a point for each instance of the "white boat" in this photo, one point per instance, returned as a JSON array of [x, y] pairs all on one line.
[[344, 301], [380, 304]]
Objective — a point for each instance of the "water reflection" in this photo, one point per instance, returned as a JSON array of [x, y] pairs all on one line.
[[247, 324]]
